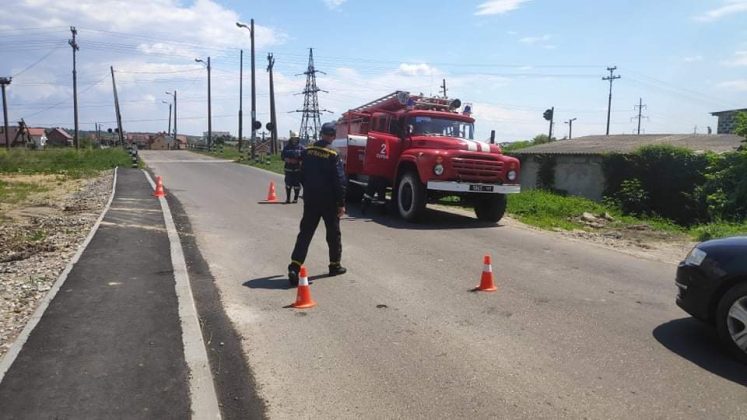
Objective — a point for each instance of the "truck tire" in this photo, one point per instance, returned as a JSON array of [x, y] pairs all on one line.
[[491, 208], [732, 327], [410, 197], [353, 193]]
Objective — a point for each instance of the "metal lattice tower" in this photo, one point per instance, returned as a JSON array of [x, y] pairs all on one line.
[[311, 114]]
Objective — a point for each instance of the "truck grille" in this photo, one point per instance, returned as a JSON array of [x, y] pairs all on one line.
[[477, 169]]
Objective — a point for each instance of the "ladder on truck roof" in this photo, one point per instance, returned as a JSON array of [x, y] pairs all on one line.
[[377, 103]]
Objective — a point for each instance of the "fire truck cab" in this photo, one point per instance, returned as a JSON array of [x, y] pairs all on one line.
[[423, 150]]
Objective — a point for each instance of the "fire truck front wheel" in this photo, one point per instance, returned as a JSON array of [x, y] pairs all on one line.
[[411, 196], [491, 208]]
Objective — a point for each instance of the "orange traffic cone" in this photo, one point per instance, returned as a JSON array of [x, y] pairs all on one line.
[[303, 296], [271, 197], [159, 188], [486, 281]]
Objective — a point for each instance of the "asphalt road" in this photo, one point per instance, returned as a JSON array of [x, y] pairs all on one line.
[[575, 330]]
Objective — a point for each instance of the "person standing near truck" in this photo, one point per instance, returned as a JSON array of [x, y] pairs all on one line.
[[323, 181], [292, 157]]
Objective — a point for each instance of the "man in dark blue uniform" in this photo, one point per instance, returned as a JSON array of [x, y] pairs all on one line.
[[323, 182], [292, 157]]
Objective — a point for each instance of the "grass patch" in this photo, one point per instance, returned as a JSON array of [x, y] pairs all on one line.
[[14, 192], [718, 230], [69, 162], [547, 210], [274, 163], [37, 236]]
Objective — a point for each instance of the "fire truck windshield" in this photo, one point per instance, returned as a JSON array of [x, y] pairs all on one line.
[[430, 126]]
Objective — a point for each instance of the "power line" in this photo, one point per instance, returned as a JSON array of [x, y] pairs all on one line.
[[61, 44]]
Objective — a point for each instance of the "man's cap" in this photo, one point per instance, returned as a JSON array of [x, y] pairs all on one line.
[[329, 128]]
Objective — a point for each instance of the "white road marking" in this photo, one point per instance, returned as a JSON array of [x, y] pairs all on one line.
[[202, 390], [17, 345]]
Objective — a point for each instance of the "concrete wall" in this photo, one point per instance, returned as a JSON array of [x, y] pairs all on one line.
[[576, 174]]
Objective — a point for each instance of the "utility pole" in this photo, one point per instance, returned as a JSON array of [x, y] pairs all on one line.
[[241, 99], [73, 43], [443, 88], [4, 81], [174, 96], [254, 95], [255, 124], [570, 127], [210, 119], [116, 109], [168, 133], [611, 79], [640, 107], [273, 121]]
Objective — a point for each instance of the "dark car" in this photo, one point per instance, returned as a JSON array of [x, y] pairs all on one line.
[[712, 283]]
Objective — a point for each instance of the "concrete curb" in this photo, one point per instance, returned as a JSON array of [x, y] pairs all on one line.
[[202, 389]]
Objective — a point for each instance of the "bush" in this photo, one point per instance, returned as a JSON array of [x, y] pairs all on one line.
[[724, 192], [658, 180]]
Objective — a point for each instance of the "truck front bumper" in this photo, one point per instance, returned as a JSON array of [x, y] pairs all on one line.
[[473, 187]]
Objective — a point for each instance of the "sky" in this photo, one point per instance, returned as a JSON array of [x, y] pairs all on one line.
[[511, 59]]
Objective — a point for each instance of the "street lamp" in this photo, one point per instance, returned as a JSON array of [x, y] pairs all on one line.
[[570, 127], [169, 131], [210, 122], [174, 95], [250, 27]]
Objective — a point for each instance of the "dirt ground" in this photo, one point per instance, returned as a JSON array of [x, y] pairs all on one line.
[[38, 237]]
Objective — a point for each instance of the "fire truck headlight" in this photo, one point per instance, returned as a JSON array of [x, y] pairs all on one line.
[[438, 169], [511, 175]]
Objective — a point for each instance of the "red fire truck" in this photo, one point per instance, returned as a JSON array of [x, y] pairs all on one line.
[[423, 149]]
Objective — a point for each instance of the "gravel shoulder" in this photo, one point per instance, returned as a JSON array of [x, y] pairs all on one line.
[[38, 237]]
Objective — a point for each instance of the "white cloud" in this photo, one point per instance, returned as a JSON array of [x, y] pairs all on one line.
[[420, 69], [498, 7], [693, 59], [334, 4], [531, 40], [734, 85], [739, 59], [730, 7]]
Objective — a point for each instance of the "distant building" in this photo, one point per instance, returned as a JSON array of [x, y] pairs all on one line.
[[59, 137], [161, 142], [727, 120], [37, 135]]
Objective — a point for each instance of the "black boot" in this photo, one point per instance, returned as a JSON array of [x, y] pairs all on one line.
[[296, 191], [335, 269], [287, 195], [293, 270]]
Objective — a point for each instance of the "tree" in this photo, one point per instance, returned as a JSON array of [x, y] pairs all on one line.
[[741, 129], [541, 139]]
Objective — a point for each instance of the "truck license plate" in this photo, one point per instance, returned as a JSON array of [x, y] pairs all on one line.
[[481, 188]]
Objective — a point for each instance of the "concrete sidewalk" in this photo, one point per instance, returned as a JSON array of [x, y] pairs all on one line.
[[110, 343]]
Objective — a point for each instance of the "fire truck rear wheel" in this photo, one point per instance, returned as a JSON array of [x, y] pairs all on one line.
[[354, 193], [491, 208], [411, 197]]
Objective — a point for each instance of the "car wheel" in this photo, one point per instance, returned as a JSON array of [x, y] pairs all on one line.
[[731, 320], [410, 197], [491, 208]]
